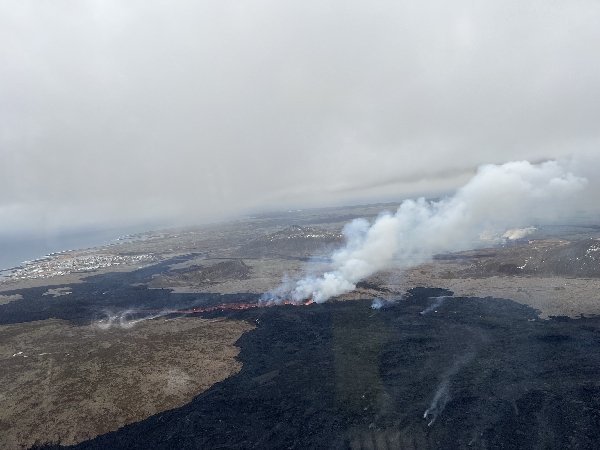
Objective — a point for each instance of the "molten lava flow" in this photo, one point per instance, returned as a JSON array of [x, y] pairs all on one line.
[[238, 306]]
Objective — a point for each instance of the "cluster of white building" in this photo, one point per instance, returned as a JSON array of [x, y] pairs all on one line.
[[57, 266]]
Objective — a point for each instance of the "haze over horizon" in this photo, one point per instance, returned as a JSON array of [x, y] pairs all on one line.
[[114, 115]]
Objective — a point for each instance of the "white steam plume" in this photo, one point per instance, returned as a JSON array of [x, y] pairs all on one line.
[[519, 233], [498, 197]]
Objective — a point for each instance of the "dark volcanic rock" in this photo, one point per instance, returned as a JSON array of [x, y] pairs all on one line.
[[116, 291], [197, 275], [542, 258], [372, 286], [486, 372], [295, 241]]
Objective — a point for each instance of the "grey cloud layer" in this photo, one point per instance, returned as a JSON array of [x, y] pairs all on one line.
[[118, 112]]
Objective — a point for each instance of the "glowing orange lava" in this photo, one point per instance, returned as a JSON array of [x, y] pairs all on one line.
[[238, 306]]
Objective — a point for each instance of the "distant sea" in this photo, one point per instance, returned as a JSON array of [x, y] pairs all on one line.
[[16, 250]]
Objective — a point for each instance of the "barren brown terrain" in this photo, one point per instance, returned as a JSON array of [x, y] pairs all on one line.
[[66, 384]]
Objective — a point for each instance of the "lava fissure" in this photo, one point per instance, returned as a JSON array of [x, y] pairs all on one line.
[[235, 307]]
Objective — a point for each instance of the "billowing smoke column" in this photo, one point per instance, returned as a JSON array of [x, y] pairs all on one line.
[[498, 197]]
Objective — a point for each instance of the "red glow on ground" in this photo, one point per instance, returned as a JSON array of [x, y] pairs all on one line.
[[238, 306]]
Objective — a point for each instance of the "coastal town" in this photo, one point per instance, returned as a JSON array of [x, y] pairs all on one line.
[[59, 264]]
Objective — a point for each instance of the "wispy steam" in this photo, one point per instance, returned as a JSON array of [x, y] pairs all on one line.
[[438, 302], [440, 400], [442, 394], [519, 233], [498, 197], [126, 319], [379, 303]]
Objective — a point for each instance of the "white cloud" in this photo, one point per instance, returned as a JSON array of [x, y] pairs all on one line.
[[115, 112]]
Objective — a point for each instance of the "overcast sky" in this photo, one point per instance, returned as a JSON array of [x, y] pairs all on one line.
[[121, 112]]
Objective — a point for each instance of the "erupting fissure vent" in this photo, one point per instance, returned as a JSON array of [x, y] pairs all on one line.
[[235, 307]]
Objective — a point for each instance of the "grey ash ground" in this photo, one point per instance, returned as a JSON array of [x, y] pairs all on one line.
[[506, 348]]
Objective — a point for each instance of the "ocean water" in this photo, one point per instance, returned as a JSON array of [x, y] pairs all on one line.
[[14, 250]]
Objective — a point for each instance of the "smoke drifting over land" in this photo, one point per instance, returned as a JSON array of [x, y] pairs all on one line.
[[126, 319], [442, 394], [437, 303], [498, 197]]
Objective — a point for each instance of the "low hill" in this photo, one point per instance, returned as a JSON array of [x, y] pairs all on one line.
[[538, 258], [293, 241]]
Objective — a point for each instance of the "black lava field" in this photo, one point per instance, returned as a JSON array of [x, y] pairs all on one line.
[[488, 372]]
